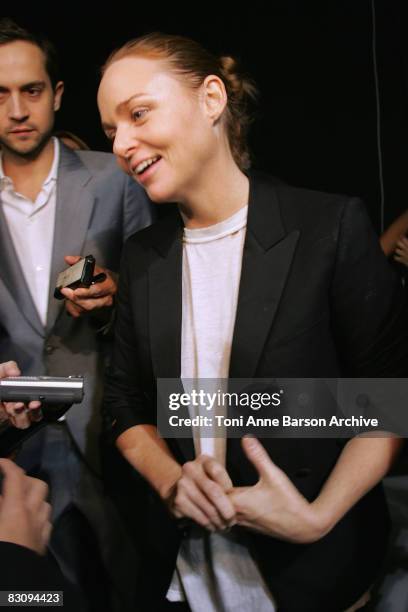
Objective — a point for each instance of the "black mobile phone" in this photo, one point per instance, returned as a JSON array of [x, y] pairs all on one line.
[[80, 274]]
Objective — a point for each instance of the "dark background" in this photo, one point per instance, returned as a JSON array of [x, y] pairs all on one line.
[[321, 120]]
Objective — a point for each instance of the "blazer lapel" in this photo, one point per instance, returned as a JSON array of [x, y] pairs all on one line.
[[72, 216], [165, 308], [165, 298], [267, 257], [14, 279]]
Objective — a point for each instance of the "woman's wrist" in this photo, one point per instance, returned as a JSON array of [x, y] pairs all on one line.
[[168, 488], [322, 519]]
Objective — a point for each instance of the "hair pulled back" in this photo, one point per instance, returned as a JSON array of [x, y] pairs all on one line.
[[193, 62]]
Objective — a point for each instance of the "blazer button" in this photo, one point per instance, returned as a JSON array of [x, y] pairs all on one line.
[[362, 400], [303, 472], [49, 349]]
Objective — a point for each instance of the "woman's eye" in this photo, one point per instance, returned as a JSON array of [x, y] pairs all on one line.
[[138, 114]]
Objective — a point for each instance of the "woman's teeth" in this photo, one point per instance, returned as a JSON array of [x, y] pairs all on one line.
[[145, 164]]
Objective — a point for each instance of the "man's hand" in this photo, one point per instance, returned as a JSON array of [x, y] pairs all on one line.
[[100, 295], [201, 494], [19, 414], [24, 513], [274, 506], [401, 251]]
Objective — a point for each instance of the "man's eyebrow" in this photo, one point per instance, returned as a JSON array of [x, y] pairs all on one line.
[[26, 86], [32, 84]]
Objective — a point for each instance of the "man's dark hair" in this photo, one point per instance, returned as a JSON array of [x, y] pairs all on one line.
[[11, 32]]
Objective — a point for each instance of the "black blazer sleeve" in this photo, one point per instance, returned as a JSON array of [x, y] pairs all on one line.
[[125, 402], [368, 302]]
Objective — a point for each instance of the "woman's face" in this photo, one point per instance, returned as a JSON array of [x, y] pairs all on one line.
[[163, 131]]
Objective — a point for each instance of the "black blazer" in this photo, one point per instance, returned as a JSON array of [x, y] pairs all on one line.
[[317, 298]]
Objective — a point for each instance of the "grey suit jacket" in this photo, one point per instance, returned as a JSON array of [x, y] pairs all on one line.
[[98, 207]]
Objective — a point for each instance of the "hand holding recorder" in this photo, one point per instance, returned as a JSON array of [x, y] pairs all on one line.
[[29, 402], [19, 414]]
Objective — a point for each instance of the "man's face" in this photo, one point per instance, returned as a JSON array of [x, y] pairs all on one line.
[[27, 99]]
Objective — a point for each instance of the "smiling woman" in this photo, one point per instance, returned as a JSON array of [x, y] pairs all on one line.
[[209, 292], [174, 127]]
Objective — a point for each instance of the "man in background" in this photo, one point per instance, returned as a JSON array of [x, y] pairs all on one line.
[[58, 205]]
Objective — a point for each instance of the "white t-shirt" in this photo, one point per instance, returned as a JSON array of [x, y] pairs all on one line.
[[213, 571], [212, 258]]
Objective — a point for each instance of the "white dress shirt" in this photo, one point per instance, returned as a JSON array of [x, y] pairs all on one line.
[[31, 226]]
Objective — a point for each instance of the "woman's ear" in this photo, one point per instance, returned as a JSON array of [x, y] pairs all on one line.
[[214, 97]]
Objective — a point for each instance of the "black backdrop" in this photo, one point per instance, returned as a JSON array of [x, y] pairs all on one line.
[[317, 122]]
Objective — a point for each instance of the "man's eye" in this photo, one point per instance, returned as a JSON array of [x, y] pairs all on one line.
[[138, 114], [34, 91]]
